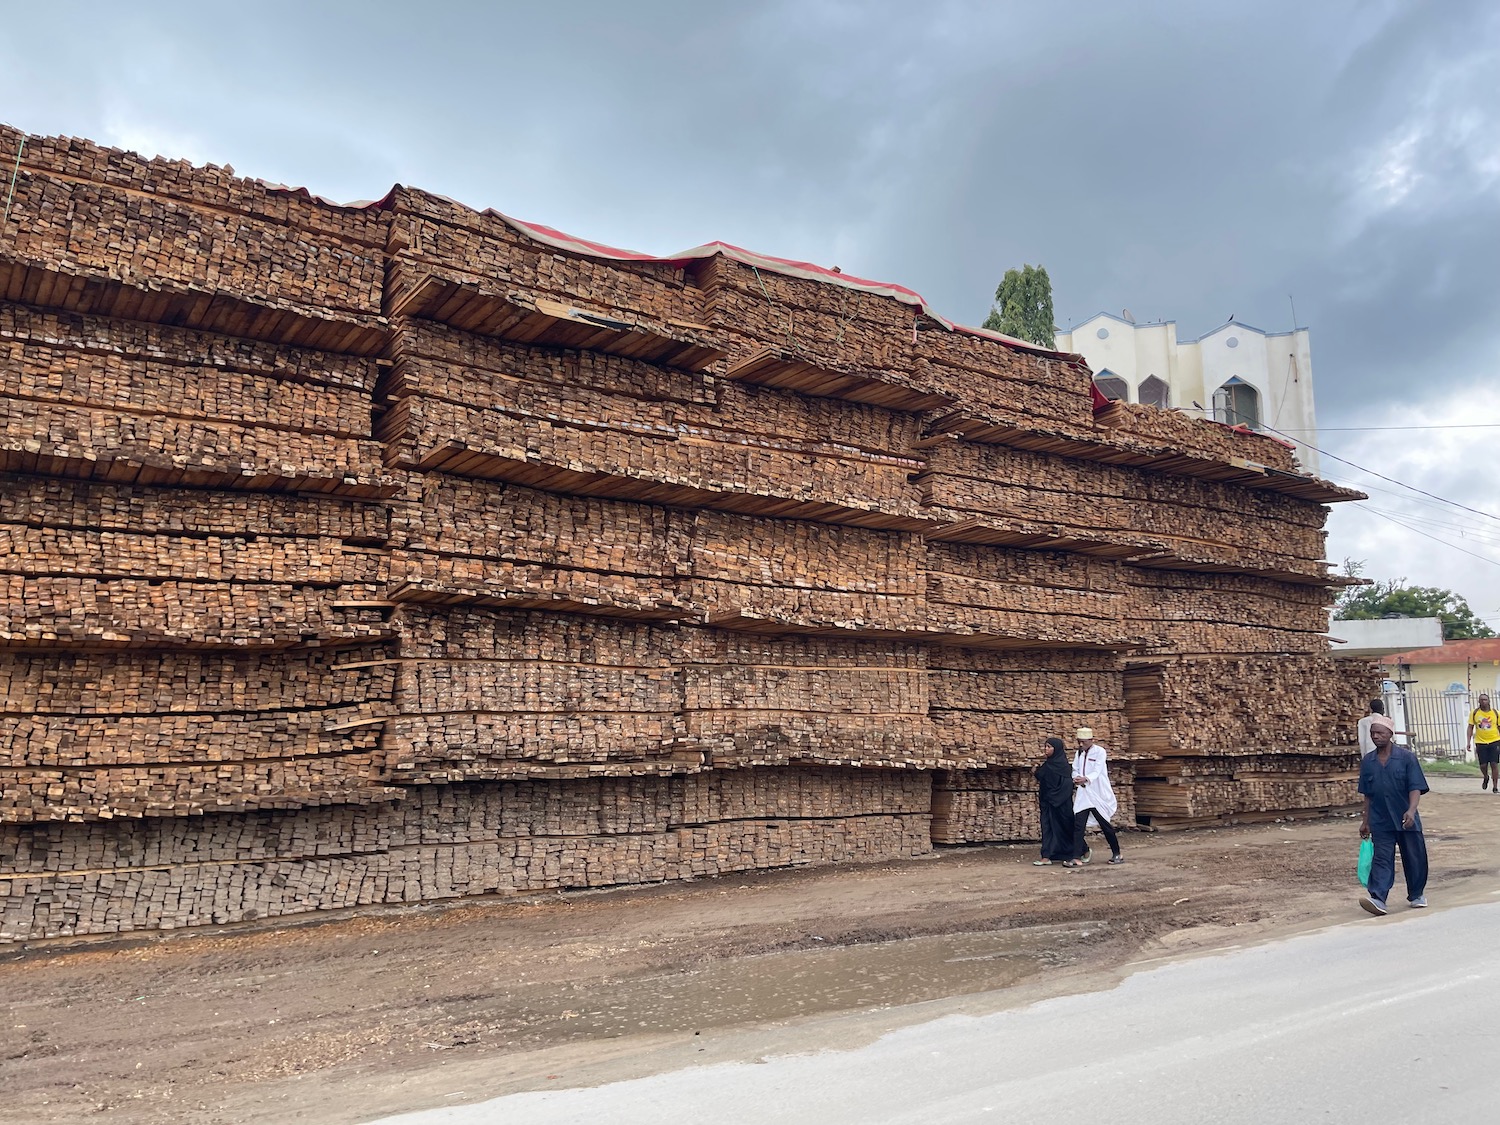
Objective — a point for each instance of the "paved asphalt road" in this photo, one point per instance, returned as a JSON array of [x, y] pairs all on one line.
[[1387, 1021]]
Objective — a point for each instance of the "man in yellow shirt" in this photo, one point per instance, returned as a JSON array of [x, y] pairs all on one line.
[[1484, 730]]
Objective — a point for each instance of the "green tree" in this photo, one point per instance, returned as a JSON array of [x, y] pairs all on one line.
[[1023, 306], [1396, 599]]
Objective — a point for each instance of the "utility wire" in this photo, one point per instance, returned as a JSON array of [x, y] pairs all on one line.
[[1431, 509], [1393, 480], [1454, 521], [1367, 429], [1404, 497], [1485, 542], [1429, 535], [1426, 511], [1463, 530]]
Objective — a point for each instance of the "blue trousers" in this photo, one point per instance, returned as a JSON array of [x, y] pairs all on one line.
[[1413, 862]]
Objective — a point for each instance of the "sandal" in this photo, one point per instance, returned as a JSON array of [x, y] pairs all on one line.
[[1041, 863], [1073, 863]]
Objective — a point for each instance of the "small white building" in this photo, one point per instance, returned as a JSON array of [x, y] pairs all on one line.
[[1361, 640], [1236, 373]]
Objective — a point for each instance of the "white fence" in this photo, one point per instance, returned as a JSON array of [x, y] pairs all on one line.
[[1436, 722]]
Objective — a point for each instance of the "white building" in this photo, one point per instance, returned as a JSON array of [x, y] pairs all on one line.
[[1361, 640], [1236, 373]]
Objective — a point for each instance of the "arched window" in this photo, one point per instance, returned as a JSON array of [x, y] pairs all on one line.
[[1111, 386], [1154, 392], [1237, 403]]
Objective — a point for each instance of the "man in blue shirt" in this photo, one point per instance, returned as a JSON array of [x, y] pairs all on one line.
[[1391, 779]]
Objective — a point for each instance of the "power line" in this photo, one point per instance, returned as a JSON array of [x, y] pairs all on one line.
[[1435, 504], [1393, 480], [1484, 538], [1445, 507], [1429, 535], [1366, 429], [1425, 511]]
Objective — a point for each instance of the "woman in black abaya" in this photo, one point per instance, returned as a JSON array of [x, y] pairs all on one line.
[[1054, 779]]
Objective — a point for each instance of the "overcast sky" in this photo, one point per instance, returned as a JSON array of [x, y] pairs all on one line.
[[1188, 161]]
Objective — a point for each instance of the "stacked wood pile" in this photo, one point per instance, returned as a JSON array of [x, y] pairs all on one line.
[[997, 708], [1228, 614], [1152, 517], [189, 543], [98, 230], [449, 841], [386, 553], [970, 806], [1233, 737]]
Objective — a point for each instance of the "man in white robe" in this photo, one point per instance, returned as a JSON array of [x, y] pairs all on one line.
[[1093, 796]]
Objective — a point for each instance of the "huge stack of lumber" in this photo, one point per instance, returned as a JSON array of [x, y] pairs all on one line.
[[1234, 736], [1228, 614], [387, 553], [997, 708], [106, 399], [1152, 517], [100, 230], [188, 542], [449, 841]]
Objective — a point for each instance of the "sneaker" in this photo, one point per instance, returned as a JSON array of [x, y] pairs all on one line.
[[1417, 903], [1373, 905], [1116, 859], [1485, 784]]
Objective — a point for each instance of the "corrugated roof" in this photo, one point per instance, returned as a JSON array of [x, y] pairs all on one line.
[[1477, 651]]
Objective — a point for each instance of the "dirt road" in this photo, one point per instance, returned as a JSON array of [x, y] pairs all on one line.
[[369, 1015]]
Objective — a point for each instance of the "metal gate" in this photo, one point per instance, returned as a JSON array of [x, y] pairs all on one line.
[[1436, 722]]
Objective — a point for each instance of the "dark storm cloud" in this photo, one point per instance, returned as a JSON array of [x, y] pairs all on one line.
[[1199, 169], [1181, 159]]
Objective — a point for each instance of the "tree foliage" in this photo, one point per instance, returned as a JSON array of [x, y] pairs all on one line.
[[1023, 306], [1396, 599]]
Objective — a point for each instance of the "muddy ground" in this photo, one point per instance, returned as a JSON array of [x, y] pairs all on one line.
[[379, 1012]]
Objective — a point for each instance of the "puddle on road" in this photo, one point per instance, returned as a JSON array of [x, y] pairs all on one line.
[[775, 987]]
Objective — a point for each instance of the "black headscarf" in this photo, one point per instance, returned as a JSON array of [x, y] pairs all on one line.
[[1055, 775]]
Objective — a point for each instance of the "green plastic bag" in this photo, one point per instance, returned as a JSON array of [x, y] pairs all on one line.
[[1366, 857]]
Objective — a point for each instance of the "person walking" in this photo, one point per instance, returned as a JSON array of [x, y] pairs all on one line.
[[1484, 732], [1093, 796], [1054, 779], [1391, 779], [1377, 707]]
